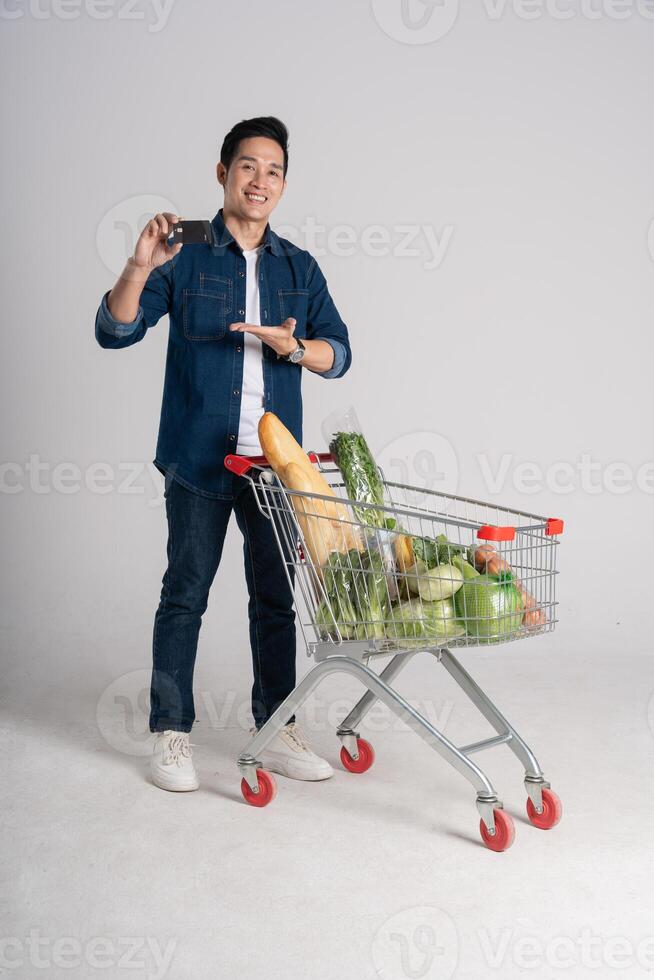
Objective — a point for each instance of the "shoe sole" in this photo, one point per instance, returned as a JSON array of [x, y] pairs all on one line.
[[280, 769], [173, 787]]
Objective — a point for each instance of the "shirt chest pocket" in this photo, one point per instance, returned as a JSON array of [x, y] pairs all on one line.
[[206, 308], [295, 303]]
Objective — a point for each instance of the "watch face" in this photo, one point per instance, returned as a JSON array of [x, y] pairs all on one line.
[[298, 354]]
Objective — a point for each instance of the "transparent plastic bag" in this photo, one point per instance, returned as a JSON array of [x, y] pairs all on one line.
[[357, 602], [347, 444], [382, 541]]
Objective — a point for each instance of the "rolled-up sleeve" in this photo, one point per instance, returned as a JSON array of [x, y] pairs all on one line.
[[155, 302], [324, 322], [105, 322], [340, 356]]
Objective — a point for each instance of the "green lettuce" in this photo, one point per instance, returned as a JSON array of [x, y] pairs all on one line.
[[357, 596]]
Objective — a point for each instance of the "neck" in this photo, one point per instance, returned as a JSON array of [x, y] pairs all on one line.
[[248, 234]]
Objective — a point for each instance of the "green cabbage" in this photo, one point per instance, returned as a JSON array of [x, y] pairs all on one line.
[[416, 620], [489, 606], [433, 584]]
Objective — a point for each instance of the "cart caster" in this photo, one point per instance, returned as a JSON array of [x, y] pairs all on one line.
[[504, 832], [552, 810], [365, 760], [267, 789]]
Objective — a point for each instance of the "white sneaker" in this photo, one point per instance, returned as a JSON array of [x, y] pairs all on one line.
[[289, 755], [171, 765]]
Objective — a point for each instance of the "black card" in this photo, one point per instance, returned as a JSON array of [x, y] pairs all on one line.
[[192, 233]]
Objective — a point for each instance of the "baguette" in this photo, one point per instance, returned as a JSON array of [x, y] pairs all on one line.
[[326, 526], [280, 447]]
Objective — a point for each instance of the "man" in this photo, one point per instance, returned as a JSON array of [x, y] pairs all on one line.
[[248, 314]]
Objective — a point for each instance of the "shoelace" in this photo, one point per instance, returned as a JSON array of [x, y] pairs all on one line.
[[178, 748], [292, 734], [295, 735]]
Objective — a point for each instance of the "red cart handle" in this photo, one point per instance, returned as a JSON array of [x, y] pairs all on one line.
[[554, 526], [243, 464], [489, 532]]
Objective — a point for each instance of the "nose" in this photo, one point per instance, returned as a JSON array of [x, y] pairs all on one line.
[[259, 179]]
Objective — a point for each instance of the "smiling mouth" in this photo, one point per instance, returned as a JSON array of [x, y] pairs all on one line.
[[255, 198]]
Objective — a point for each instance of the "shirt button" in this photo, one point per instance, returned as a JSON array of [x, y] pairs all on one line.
[[242, 312], [232, 437], [238, 350], [236, 391], [241, 274]]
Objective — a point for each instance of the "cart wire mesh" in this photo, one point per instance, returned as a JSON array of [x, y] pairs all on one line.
[[425, 569]]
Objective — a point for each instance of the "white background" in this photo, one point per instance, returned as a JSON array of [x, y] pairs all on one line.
[[529, 138]]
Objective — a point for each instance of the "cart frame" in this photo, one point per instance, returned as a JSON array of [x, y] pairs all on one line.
[[354, 657]]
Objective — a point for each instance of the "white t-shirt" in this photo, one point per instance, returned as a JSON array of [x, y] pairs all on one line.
[[252, 392]]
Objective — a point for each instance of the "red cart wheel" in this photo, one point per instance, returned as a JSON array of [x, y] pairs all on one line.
[[365, 760], [504, 832], [552, 810], [267, 789]]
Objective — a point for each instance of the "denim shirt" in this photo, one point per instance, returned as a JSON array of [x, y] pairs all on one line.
[[203, 290]]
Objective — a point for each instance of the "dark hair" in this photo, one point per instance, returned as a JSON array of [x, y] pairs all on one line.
[[268, 126]]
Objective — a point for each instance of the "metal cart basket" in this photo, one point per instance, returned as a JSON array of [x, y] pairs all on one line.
[[424, 572]]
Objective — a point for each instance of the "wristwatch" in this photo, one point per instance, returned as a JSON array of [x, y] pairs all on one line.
[[296, 355]]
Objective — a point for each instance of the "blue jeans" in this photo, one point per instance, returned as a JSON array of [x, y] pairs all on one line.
[[196, 533]]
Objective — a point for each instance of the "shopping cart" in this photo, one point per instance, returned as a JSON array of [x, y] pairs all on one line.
[[400, 578]]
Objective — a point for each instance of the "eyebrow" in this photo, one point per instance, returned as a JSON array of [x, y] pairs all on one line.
[[278, 166]]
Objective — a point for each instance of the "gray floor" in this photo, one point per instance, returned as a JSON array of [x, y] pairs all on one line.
[[377, 875]]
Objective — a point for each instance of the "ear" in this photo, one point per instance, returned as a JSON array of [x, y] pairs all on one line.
[[221, 173]]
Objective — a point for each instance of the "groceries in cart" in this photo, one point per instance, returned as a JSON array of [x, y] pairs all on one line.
[[382, 571]]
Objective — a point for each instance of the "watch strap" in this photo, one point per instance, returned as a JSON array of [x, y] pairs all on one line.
[[300, 346]]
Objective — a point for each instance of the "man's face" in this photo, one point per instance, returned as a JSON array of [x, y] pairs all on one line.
[[255, 180]]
